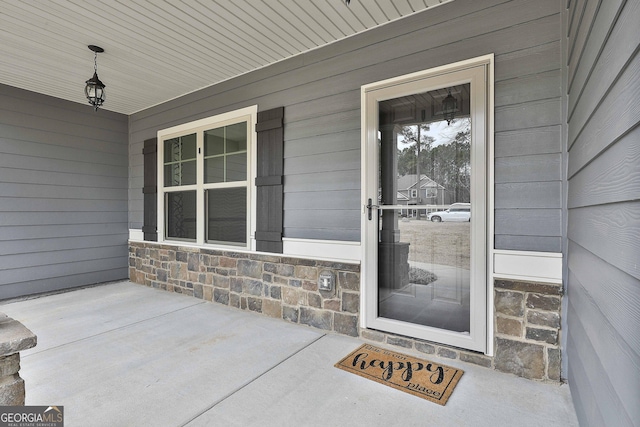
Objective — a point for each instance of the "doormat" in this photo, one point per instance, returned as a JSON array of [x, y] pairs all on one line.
[[422, 378]]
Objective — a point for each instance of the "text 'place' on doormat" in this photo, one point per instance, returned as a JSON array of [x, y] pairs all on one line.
[[422, 378]]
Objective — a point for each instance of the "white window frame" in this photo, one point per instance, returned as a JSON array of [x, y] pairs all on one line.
[[248, 114]]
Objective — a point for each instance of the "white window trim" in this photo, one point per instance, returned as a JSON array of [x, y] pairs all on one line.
[[251, 115]]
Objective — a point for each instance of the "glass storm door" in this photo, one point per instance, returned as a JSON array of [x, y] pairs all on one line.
[[425, 208]]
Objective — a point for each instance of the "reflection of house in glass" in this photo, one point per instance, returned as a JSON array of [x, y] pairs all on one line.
[[426, 192]]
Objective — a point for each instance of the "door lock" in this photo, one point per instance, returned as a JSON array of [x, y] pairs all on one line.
[[370, 207]]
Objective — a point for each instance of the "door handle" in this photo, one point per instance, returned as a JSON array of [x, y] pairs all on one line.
[[370, 207]]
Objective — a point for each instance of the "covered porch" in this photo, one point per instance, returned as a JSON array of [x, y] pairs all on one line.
[[125, 354], [83, 198]]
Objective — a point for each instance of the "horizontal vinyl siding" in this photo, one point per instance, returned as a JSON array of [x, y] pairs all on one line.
[[603, 344], [320, 91], [63, 194]]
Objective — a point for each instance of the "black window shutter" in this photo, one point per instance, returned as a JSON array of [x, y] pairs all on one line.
[[150, 189], [269, 182]]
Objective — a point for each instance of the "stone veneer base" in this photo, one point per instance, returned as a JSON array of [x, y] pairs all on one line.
[[14, 338], [527, 314]]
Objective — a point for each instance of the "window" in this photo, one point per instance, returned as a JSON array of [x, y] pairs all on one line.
[[180, 172], [204, 187], [414, 193]]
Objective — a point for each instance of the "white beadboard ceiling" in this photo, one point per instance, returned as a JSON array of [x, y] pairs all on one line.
[[156, 50]]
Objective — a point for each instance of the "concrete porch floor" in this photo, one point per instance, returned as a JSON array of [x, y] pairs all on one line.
[[125, 355]]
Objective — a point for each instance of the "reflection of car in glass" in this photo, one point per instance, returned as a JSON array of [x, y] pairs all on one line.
[[456, 212]]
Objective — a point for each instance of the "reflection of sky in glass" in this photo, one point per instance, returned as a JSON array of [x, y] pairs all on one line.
[[441, 132]]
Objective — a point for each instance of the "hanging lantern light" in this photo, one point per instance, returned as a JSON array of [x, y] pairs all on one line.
[[94, 89], [449, 108]]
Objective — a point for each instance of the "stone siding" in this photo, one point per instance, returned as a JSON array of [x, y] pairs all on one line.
[[14, 338], [527, 326], [526, 318], [276, 286]]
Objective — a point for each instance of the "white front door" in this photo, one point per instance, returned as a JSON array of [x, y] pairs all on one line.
[[426, 274]]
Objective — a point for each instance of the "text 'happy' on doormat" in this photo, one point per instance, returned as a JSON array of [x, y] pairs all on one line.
[[429, 380]]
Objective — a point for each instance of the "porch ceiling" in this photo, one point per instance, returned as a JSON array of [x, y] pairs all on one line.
[[159, 50]]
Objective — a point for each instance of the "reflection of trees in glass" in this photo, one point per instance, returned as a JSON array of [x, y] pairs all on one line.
[[447, 161], [408, 155]]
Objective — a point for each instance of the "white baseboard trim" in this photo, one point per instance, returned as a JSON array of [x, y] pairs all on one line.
[[529, 266], [136, 235], [330, 250], [327, 250]]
